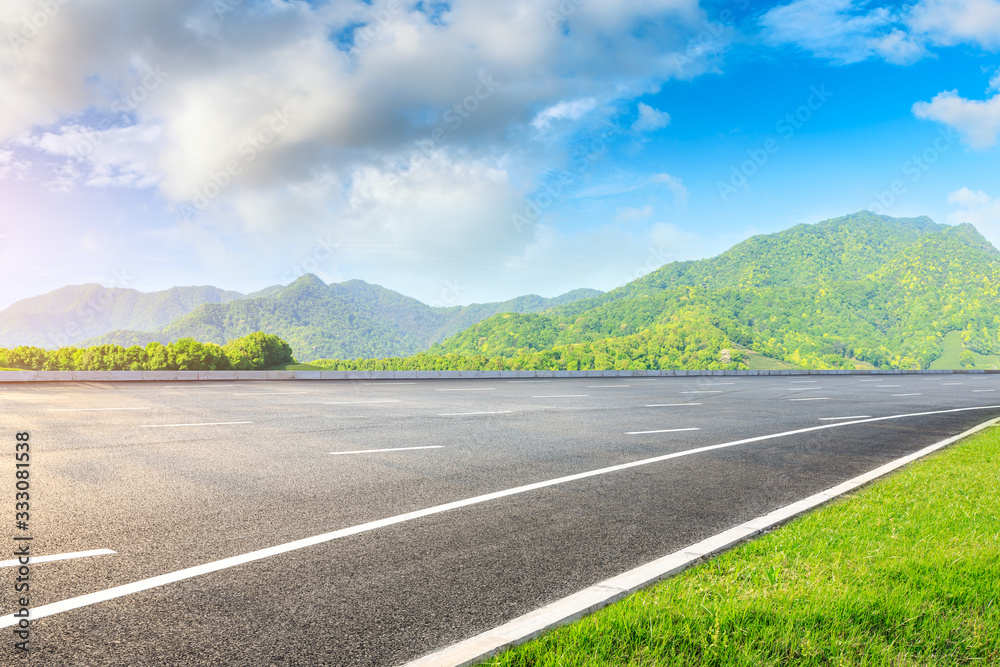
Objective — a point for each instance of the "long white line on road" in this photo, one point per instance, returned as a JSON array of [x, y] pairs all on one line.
[[565, 396], [463, 414], [811, 398], [979, 391], [950, 383], [702, 392], [379, 384], [388, 400], [55, 557], [917, 394], [669, 405], [397, 449], [200, 386], [802, 381], [887, 385], [826, 419], [92, 409], [664, 430], [607, 386], [803, 388], [225, 563], [275, 393], [203, 424], [476, 649]]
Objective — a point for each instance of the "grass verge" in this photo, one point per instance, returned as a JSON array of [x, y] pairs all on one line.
[[951, 350], [903, 572]]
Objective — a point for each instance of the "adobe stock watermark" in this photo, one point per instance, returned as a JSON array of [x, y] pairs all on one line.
[[32, 26], [451, 121], [86, 314], [786, 127], [553, 189], [253, 145], [449, 295], [154, 76], [914, 169], [318, 259]]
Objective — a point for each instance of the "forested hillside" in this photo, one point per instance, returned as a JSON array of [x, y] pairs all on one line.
[[858, 289], [353, 319]]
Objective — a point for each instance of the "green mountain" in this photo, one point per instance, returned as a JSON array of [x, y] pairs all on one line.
[[72, 314], [867, 288], [353, 319]]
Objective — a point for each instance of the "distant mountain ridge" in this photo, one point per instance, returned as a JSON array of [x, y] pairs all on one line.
[[353, 319], [863, 287], [70, 315]]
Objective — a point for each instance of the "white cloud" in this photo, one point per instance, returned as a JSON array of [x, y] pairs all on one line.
[[849, 31], [572, 110], [840, 30], [978, 121], [650, 119], [675, 186], [978, 208], [465, 93], [630, 214], [949, 22]]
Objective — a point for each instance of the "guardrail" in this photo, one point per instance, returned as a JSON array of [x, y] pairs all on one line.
[[161, 376]]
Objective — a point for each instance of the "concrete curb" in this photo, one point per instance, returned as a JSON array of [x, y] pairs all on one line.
[[189, 376], [574, 607]]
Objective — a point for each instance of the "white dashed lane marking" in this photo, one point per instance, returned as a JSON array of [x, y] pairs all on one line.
[[669, 405], [91, 409], [665, 430], [463, 414], [397, 449], [811, 398], [49, 559]]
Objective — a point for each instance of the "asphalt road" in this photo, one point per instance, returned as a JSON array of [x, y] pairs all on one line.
[[172, 476]]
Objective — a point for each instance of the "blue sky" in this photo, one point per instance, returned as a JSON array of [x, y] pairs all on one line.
[[473, 151]]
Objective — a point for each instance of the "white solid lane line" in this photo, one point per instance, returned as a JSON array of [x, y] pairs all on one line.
[[607, 386], [275, 393], [214, 566], [358, 402], [565, 396], [48, 559], [811, 398], [664, 430], [803, 388], [979, 391], [802, 381], [825, 419], [200, 386], [397, 449], [908, 394], [946, 384], [91, 409], [462, 414], [669, 405], [702, 392], [887, 385], [204, 424]]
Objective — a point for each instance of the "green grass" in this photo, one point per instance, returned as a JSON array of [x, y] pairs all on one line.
[[903, 572], [951, 349], [758, 362]]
